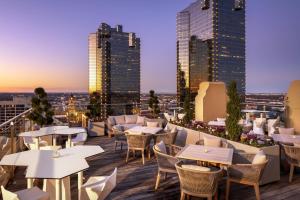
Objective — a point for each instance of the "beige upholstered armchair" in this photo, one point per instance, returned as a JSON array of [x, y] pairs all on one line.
[[245, 170], [165, 161], [198, 183], [138, 143], [293, 157]]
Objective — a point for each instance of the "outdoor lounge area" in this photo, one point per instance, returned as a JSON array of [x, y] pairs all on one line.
[[137, 181]]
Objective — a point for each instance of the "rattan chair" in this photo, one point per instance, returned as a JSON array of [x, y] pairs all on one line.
[[138, 143], [224, 144], [198, 183], [292, 154], [167, 137], [244, 172], [120, 138], [166, 163]]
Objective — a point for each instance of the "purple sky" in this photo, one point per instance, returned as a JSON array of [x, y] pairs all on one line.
[[44, 43]]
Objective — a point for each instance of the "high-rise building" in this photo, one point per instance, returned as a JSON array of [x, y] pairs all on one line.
[[11, 107], [210, 45], [114, 68]]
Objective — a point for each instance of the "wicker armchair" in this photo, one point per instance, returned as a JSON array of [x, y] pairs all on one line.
[[224, 144], [167, 137], [138, 143], [166, 163], [198, 183], [120, 138], [293, 157], [244, 172]]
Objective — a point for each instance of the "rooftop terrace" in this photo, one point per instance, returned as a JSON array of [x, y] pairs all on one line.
[[136, 181]]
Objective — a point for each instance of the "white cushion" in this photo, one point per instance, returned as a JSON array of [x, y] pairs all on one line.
[[286, 131], [161, 147], [140, 120], [130, 119], [120, 119], [196, 167], [259, 158], [221, 119], [212, 142], [111, 120], [128, 126], [152, 124]]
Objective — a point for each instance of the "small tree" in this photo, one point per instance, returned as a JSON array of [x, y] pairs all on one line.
[[153, 103], [94, 108], [42, 112], [233, 112], [187, 108]]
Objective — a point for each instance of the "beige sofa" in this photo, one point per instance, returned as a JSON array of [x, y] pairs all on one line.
[[129, 121]]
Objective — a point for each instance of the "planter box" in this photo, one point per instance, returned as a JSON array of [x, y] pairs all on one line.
[[272, 170]]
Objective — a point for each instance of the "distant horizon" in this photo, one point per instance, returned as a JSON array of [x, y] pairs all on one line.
[[48, 46]]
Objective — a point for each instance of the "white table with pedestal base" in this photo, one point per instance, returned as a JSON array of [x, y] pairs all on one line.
[[207, 154], [53, 130], [41, 164]]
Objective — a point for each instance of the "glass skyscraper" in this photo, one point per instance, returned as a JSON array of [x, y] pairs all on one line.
[[114, 68], [210, 45]]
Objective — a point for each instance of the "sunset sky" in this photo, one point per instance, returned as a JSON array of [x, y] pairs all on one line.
[[45, 43]]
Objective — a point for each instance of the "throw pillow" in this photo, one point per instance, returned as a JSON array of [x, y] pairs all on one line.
[[196, 167], [152, 124], [130, 119], [286, 131], [120, 119], [259, 158], [140, 120], [212, 142], [161, 147]]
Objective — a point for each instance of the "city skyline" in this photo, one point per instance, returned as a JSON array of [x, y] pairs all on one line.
[[51, 50]]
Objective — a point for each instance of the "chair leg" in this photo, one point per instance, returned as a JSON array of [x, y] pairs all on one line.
[[116, 145], [227, 189], [149, 154], [157, 180], [256, 188], [143, 157], [121, 145], [217, 194], [291, 173], [133, 153], [127, 155], [182, 196]]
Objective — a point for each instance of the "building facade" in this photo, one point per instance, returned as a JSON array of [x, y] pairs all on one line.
[[114, 68], [210, 45], [10, 108]]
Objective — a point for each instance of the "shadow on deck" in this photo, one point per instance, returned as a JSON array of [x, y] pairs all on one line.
[[135, 181]]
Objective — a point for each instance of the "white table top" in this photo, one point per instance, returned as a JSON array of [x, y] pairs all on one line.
[[213, 154], [286, 138], [53, 130], [42, 164], [143, 129]]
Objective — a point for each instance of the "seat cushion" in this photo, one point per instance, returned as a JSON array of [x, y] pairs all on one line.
[[296, 144], [221, 119], [212, 142], [152, 124], [119, 119], [130, 119], [174, 130], [196, 167], [161, 147], [259, 158], [32, 194], [286, 131], [118, 127], [140, 120]]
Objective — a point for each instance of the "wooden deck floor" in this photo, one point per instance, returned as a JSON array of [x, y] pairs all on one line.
[[136, 181]]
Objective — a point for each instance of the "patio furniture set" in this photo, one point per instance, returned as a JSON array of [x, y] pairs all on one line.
[[55, 166]]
